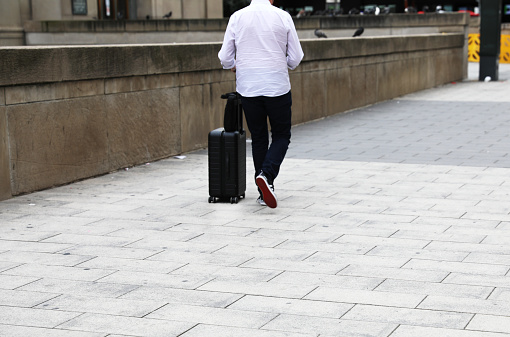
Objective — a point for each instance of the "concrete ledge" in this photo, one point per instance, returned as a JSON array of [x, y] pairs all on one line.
[[343, 21], [207, 30], [68, 113]]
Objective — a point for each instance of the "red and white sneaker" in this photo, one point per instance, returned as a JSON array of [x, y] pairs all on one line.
[[267, 191]]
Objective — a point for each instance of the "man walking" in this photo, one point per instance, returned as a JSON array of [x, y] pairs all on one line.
[[260, 45]]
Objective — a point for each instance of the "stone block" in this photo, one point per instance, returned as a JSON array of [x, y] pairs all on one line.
[[141, 26], [162, 81], [358, 87], [208, 25], [5, 179], [338, 91], [371, 84], [2, 96], [110, 26], [172, 25], [183, 58], [53, 91], [125, 84], [56, 143], [314, 95], [29, 65], [195, 104], [79, 26], [101, 62], [389, 80], [191, 78], [142, 126], [297, 97], [194, 9]]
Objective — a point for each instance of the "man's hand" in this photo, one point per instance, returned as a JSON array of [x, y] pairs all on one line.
[[233, 69]]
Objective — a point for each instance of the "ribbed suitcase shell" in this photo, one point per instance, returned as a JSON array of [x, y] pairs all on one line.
[[227, 165]]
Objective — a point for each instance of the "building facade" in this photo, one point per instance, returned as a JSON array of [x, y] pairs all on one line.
[[14, 13]]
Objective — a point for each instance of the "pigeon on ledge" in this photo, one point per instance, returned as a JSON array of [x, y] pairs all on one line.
[[319, 34], [358, 32]]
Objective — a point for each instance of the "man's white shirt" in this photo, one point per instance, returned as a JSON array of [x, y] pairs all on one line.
[[262, 43]]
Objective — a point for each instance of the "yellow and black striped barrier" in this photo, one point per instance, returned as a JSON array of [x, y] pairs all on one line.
[[474, 48]]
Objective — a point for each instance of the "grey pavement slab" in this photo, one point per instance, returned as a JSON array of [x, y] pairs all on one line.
[[393, 221]]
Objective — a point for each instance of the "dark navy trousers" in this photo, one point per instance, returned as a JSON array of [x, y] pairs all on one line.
[[257, 110]]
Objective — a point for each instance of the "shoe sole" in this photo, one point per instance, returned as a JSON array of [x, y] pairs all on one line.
[[267, 194]]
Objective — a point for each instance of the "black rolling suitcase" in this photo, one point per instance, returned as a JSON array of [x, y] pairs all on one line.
[[227, 154]]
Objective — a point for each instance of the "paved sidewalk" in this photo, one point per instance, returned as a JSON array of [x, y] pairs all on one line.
[[394, 220]]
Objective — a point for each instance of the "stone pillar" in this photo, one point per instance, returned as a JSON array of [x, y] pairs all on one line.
[[46, 10], [490, 39], [11, 25], [214, 9], [5, 176], [194, 9]]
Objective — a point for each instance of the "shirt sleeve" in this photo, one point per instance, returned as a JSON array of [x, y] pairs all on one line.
[[294, 51], [227, 52]]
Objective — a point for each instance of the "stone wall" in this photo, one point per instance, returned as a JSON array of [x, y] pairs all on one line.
[[70, 113], [212, 30]]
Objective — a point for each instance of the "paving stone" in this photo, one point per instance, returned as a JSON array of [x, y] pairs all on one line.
[[417, 331], [227, 331], [156, 279], [213, 316], [119, 252], [338, 281], [406, 243], [183, 296], [490, 323], [315, 266], [11, 282], [89, 240], [39, 247], [434, 289], [426, 254], [407, 316], [395, 273], [34, 317], [329, 326], [281, 252], [22, 331], [109, 324], [467, 305], [24, 299], [348, 259], [79, 288], [458, 267], [365, 297], [222, 273], [258, 288], [291, 306], [59, 272], [476, 279], [111, 263], [109, 306], [205, 254]]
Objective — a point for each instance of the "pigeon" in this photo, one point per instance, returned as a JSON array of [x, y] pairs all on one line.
[[167, 16], [358, 32], [320, 34]]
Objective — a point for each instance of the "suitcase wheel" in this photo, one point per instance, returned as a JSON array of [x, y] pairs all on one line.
[[212, 200], [234, 200]]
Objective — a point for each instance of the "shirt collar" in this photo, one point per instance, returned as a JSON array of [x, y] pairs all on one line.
[[264, 2]]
